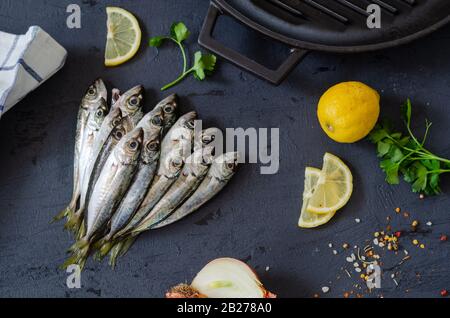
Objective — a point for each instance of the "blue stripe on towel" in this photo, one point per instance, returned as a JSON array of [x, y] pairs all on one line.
[[30, 70], [8, 55]]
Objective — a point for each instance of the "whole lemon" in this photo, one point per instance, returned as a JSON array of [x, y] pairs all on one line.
[[348, 111]]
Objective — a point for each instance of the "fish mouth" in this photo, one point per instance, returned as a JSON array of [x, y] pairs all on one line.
[[101, 88]]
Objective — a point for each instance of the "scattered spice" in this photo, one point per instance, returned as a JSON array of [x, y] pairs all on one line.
[[422, 245], [444, 293], [397, 210], [443, 238], [346, 294], [415, 223], [415, 242], [357, 220], [421, 196], [345, 245], [429, 223]]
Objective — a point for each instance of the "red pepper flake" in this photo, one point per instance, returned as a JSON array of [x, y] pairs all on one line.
[[443, 238], [444, 293], [398, 234]]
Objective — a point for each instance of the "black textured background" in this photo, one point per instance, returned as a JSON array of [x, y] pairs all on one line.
[[255, 216]]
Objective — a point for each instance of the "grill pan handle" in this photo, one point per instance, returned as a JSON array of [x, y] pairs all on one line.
[[273, 76]]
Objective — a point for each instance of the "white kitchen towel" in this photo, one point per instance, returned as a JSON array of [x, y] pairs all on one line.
[[26, 61]]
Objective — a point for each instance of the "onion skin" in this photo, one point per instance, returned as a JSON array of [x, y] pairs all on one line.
[[183, 291], [233, 266]]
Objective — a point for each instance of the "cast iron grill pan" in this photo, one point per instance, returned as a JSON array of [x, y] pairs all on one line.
[[325, 25]]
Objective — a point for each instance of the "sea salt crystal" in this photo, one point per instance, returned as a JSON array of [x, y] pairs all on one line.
[[325, 289], [429, 223], [357, 220], [335, 252]]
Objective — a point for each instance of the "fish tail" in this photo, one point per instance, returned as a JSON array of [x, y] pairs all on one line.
[[127, 245], [80, 252], [60, 215], [67, 212], [74, 221], [81, 231], [115, 254]]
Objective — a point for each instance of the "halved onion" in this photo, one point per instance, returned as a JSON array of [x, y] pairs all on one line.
[[223, 278]]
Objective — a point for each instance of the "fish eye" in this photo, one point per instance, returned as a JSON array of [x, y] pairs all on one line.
[[153, 146], [177, 163], [116, 122], [207, 139], [157, 120], [230, 166], [99, 113], [133, 145], [91, 91], [119, 134], [169, 109], [133, 101]]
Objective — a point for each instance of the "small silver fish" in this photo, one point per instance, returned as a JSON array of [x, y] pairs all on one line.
[[95, 95], [193, 172], [112, 120], [152, 125], [113, 182], [221, 171], [174, 147]]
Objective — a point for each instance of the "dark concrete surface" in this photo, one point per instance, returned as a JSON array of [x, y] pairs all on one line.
[[255, 216]]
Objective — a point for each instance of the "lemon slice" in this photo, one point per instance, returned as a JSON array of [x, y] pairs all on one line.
[[334, 186], [123, 38], [308, 219]]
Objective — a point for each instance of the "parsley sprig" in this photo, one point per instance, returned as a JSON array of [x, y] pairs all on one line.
[[406, 155], [204, 64]]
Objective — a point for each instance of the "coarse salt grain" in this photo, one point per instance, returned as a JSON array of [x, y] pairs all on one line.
[[358, 270], [330, 245], [325, 289], [335, 252], [429, 223], [357, 220]]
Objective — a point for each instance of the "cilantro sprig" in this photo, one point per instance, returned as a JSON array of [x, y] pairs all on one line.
[[204, 64], [404, 154]]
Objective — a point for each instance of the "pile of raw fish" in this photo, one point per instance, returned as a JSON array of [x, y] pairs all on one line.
[[136, 172]]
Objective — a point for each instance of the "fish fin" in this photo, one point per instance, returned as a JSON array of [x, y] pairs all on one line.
[[127, 245], [80, 252], [82, 230], [60, 215], [73, 224], [114, 254]]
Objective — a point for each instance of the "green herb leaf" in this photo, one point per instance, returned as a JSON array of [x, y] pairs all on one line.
[[203, 64], [156, 41], [179, 31], [405, 155]]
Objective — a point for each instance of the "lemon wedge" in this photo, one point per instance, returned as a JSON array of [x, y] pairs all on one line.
[[334, 186], [308, 219], [123, 38]]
